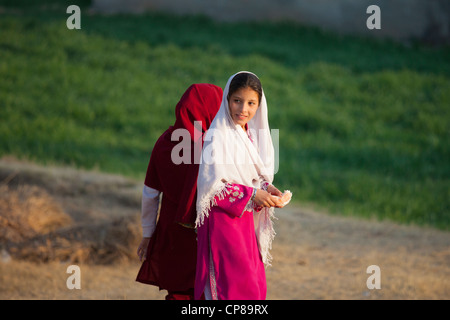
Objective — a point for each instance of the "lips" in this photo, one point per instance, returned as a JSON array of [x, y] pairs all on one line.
[[241, 117]]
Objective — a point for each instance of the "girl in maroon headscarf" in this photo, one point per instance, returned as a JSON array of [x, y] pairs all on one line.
[[169, 247]]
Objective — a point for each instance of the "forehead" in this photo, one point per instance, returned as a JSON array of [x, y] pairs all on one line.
[[246, 93]]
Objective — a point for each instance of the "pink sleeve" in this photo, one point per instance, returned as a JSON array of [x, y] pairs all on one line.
[[236, 200], [265, 185]]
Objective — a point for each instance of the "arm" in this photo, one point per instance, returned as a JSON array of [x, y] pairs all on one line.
[[149, 210], [268, 196], [149, 213], [235, 200], [239, 198], [266, 199], [270, 188]]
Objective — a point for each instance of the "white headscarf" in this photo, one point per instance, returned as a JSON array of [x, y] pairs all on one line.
[[229, 156]]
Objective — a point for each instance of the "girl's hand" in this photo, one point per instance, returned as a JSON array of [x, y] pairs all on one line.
[[265, 199], [142, 249], [274, 191]]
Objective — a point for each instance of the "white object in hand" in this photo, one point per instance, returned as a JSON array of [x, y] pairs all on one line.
[[285, 198]]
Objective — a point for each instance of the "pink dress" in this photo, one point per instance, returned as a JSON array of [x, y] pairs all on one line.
[[227, 254]]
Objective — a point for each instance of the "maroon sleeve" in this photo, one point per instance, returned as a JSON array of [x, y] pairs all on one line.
[[152, 177]]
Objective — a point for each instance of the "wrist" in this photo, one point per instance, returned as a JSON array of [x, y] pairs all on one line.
[[253, 194]]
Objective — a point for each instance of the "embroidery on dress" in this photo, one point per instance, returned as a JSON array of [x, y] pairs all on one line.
[[237, 193], [212, 276]]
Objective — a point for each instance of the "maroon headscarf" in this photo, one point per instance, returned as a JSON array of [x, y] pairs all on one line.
[[178, 182]]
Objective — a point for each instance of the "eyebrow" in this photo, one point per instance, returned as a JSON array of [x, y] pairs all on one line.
[[234, 96]]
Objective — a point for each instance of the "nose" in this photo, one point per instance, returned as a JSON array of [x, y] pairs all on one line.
[[244, 107], [241, 107]]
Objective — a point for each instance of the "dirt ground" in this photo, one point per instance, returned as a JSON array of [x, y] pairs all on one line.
[[53, 217]]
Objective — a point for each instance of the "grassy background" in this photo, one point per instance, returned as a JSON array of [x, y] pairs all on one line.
[[364, 124]]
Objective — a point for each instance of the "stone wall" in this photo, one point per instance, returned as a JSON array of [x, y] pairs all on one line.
[[426, 20]]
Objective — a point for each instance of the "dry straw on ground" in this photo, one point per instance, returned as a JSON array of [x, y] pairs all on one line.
[[53, 217], [35, 227], [28, 211]]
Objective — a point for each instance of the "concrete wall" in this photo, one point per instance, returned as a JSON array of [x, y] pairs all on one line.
[[427, 20]]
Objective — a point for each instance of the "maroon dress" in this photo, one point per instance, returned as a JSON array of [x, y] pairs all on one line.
[[172, 251]]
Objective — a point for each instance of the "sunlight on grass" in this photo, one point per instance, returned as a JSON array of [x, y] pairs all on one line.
[[364, 125]]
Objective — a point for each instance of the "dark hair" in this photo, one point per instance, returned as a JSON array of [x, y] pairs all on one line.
[[245, 80]]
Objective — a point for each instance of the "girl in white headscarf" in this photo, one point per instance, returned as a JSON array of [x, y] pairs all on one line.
[[235, 197]]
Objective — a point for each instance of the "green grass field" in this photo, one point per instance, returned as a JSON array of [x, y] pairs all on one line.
[[364, 124]]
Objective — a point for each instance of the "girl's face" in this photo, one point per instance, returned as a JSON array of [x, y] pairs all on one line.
[[243, 105]]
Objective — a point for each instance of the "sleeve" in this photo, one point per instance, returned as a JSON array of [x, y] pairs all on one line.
[[152, 175], [265, 185], [236, 200], [149, 210]]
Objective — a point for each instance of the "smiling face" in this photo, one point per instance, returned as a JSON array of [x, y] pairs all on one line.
[[243, 104]]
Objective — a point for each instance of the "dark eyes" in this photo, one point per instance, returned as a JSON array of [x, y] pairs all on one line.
[[251, 103]]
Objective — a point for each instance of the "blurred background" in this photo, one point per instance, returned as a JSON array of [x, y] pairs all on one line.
[[363, 115]]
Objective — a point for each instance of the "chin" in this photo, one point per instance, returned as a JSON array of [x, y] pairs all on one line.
[[240, 122]]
